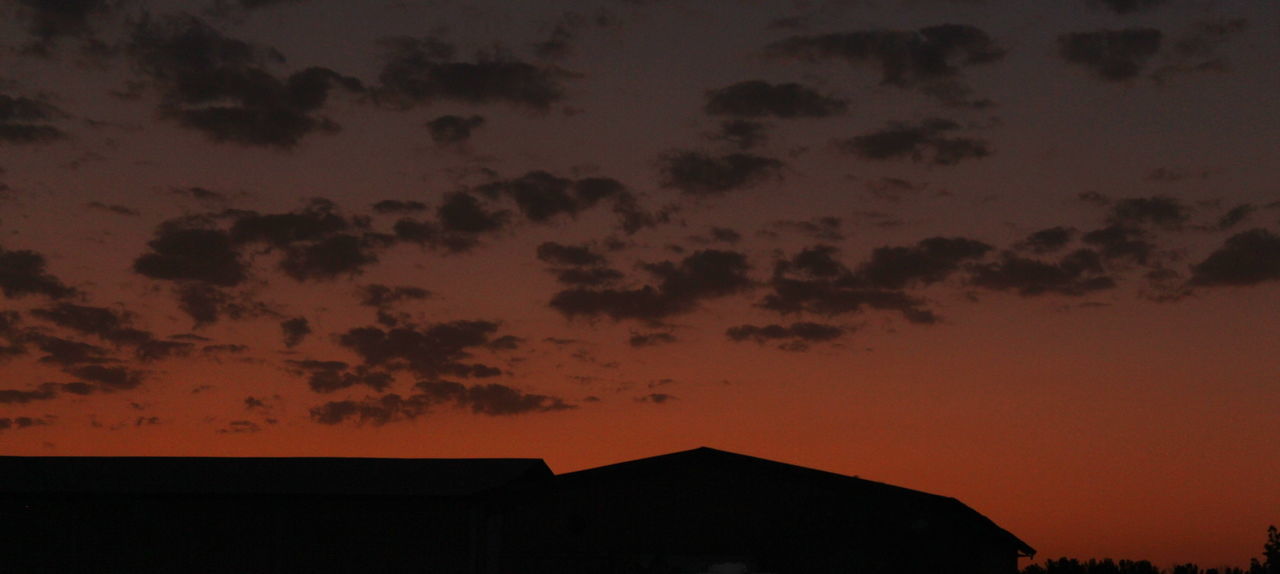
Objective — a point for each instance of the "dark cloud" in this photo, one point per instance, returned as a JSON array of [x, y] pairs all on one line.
[[1047, 240], [559, 254], [756, 99], [1093, 198], [463, 213], [1160, 211], [540, 196], [7, 423], [929, 261], [430, 352], [294, 331], [488, 399], [109, 378], [204, 303], [23, 273], [725, 234], [579, 265], [105, 323], [742, 134], [341, 255], [200, 194], [1112, 55], [220, 85], [560, 41], [329, 376], [420, 71], [656, 398], [192, 254], [44, 392], [1173, 174], [398, 206], [27, 121], [376, 295], [1078, 273], [795, 337], [318, 243], [67, 353], [929, 59], [813, 281], [703, 275], [316, 221], [1196, 50], [51, 20], [820, 228], [588, 277], [1129, 6], [650, 339], [112, 326], [450, 129], [700, 174], [1235, 216], [240, 427], [925, 141], [632, 217], [1121, 242], [1246, 258], [892, 189], [375, 411], [112, 208]]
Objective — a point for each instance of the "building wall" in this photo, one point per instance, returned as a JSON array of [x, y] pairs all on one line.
[[776, 523]]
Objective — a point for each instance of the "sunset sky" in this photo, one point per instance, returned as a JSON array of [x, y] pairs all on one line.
[[1026, 254]]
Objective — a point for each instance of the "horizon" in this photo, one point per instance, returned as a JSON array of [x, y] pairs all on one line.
[[1018, 255]]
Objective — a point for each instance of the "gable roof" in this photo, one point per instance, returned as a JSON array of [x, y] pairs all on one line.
[[705, 457], [257, 476]]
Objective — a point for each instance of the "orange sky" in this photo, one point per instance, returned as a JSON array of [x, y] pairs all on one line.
[[1022, 256]]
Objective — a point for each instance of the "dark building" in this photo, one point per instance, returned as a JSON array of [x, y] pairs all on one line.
[[695, 511]]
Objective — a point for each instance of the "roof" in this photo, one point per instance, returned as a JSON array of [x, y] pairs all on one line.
[[704, 457], [257, 476]]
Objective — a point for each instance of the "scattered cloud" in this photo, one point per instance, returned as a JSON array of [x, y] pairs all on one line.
[[757, 99], [651, 339], [23, 273], [795, 337], [679, 289], [1246, 258], [28, 121], [1075, 274], [221, 86], [1112, 55], [929, 59], [423, 70], [926, 141], [295, 330], [452, 130], [704, 175]]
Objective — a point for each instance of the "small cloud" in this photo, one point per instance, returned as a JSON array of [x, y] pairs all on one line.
[[756, 99], [703, 175], [923, 142], [452, 130], [1247, 258], [1112, 55]]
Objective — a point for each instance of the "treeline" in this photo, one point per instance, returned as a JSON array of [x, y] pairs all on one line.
[[1270, 564]]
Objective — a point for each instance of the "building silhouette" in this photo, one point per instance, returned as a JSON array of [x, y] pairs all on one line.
[[695, 511]]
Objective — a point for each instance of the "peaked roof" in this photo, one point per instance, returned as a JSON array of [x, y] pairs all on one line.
[[310, 476], [703, 457]]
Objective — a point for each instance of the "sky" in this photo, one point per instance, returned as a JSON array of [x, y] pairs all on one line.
[[1026, 254]]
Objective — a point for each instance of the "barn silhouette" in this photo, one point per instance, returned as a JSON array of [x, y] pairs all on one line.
[[696, 511]]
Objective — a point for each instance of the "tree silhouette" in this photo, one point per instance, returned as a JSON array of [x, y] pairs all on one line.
[[1270, 564], [1270, 555]]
